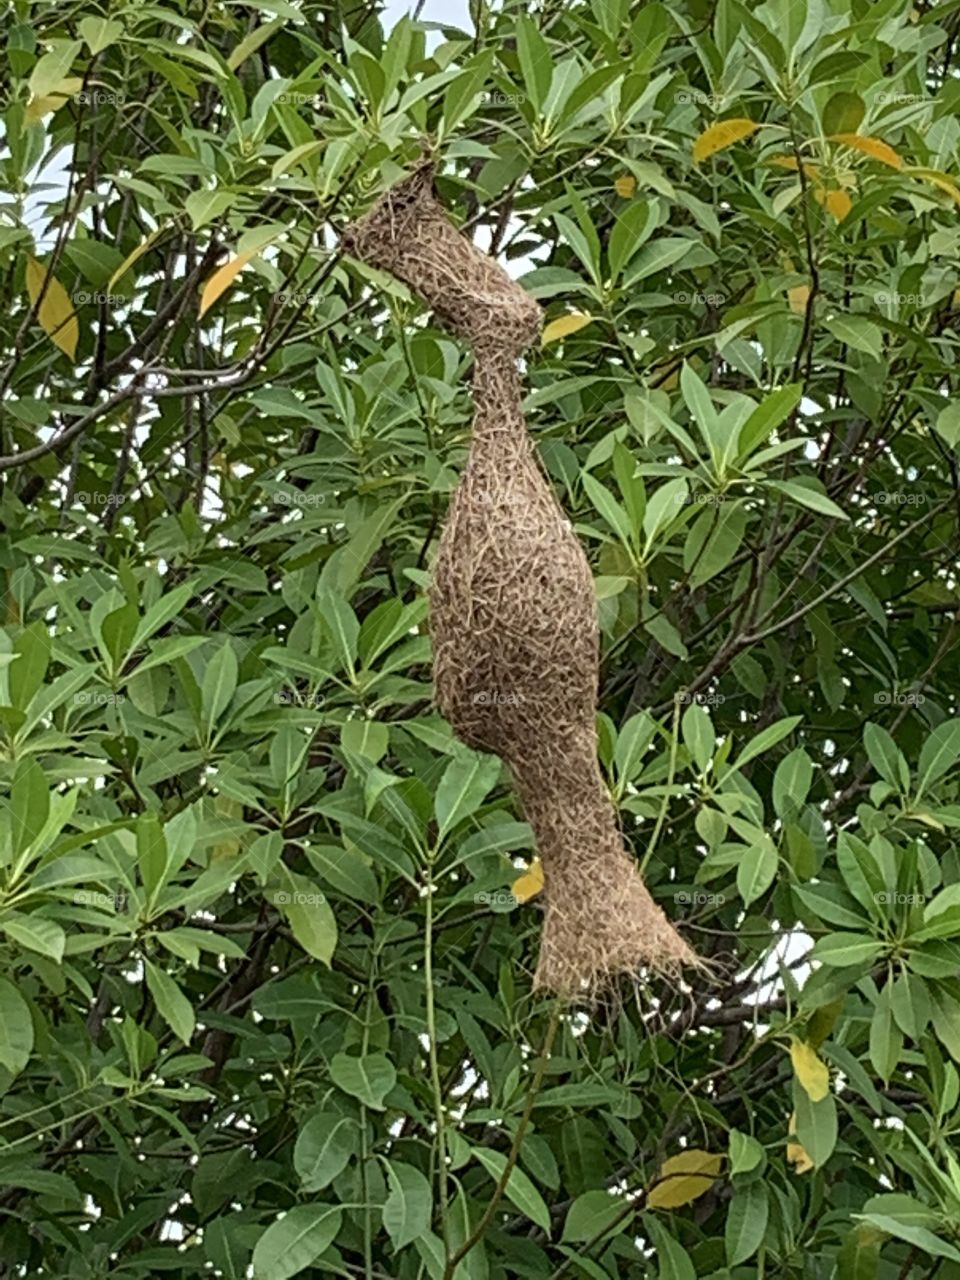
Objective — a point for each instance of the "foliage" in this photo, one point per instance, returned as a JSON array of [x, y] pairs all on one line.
[[266, 993]]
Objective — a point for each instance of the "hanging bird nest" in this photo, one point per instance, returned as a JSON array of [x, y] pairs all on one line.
[[513, 612]]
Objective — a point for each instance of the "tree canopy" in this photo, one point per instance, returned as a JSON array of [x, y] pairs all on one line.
[[267, 930]]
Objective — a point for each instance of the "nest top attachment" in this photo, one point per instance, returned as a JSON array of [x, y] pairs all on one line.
[[408, 233]]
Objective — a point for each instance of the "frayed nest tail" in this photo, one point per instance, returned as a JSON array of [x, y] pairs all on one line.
[[591, 939]]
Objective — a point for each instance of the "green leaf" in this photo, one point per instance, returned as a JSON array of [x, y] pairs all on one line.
[[768, 415], [29, 804], [365, 738], [53, 67], [918, 1236], [162, 612], [16, 1029], [408, 1209], [345, 567], [696, 729], [309, 915], [947, 425], [859, 1256], [204, 207], [152, 855], [346, 870], [746, 1153], [295, 1241], [792, 780], [45, 937], [841, 949], [764, 740], [323, 1148], [883, 753], [756, 869], [939, 753], [341, 627], [656, 256], [665, 504], [520, 1191], [99, 33], [172, 1005], [219, 683], [465, 784], [610, 509], [746, 1222], [536, 61], [858, 332], [673, 1261], [809, 497], [591, 1214], [816, 1124], [843, 113], [368, 1078], [631, 231]]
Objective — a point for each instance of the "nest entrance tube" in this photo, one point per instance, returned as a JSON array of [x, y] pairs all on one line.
[[513, 613]]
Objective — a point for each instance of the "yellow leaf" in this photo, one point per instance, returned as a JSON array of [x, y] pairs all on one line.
[[564, 326], [61, 92], [790, 162], [723, 134], [881, 151], [131, 258], [835, 201], [625, 185], [37, 108], [223, 278], [664, 380], [530, 883], [56, 314], [938, 179], [955, 300], [810, 1069], [928, 820], [797, 297], [683, 1178], [796, 1154]]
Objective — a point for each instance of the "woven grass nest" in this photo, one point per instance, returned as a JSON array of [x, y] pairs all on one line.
[[513, 612]]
